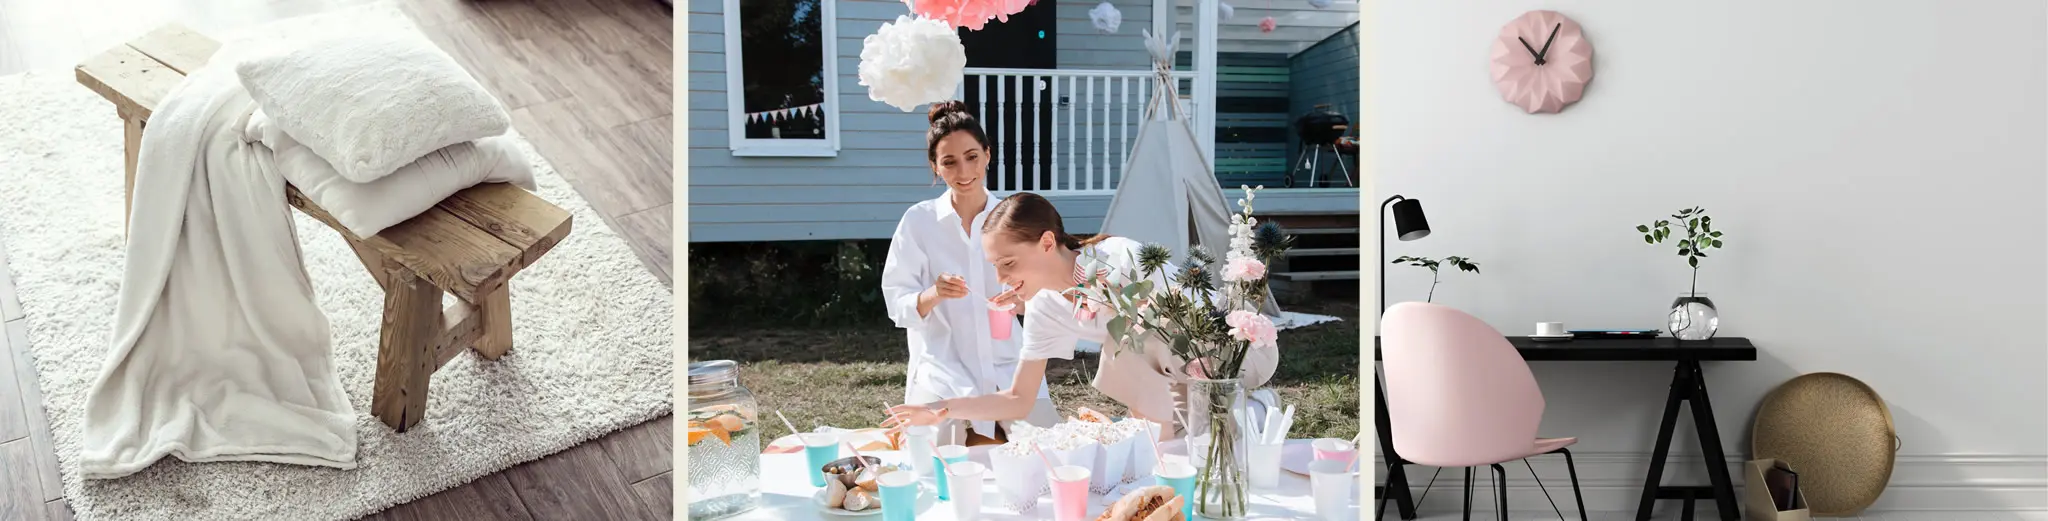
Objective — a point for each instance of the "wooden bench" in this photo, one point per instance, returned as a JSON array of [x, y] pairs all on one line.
[[467, 246]]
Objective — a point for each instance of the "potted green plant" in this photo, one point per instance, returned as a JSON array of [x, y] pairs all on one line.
[[1693, 315], [1435, 275]]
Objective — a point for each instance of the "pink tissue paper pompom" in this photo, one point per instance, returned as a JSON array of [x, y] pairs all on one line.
[[1267, 25], [971, 14]]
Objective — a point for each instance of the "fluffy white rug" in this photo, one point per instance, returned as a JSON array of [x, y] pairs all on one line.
[[592, 328]]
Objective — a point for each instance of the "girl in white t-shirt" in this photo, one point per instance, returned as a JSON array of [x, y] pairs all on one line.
[[937, 284], [1032, 252]]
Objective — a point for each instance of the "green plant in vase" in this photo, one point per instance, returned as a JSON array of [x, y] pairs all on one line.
[[1211, 320], [1435, 275], [1693, 316]]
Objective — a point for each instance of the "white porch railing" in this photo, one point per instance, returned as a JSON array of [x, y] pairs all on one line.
[[1062, 131]]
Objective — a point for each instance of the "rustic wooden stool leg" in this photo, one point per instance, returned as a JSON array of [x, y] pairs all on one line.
[[132, 130], [405, 350], [497, 324]]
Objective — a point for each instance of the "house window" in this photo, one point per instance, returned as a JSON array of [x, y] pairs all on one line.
[[781, 88]]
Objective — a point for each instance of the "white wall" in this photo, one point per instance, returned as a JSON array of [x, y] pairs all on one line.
[[1879, 172]]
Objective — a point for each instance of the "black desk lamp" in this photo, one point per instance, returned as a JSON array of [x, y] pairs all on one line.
[[1410, 225]]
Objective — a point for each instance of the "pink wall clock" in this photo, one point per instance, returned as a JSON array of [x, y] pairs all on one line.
[[1542, 62]]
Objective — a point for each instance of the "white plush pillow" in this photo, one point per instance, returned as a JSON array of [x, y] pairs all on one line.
[[368, 208], [371, 104]]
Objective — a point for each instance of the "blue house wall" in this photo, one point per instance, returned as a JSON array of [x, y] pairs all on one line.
[[880, 169], [1326, 73]]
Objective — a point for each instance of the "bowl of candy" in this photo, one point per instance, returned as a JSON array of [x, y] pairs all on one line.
[[851, 485]]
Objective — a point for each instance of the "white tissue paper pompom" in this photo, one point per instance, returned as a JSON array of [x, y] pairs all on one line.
[[1106, 17], [1225, 11], [912, 62], [1319, 4]]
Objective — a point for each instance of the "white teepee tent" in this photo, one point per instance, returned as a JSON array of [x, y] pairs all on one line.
[[1169, 195]]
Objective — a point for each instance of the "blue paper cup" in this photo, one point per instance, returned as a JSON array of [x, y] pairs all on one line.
[[819, 450], [1177, 473], [899, 495], [950, 454]]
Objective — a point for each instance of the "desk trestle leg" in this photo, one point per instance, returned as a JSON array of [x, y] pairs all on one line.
[[1688, 384], [1397, 470]]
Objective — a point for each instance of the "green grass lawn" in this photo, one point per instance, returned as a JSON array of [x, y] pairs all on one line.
[[841, 376]]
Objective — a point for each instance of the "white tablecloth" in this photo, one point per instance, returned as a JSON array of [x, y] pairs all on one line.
[[786, 494]]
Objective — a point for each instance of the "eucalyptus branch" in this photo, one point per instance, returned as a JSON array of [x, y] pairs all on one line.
[[1194, 307]]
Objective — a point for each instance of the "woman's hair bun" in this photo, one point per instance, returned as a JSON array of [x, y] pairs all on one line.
[[946, 108]]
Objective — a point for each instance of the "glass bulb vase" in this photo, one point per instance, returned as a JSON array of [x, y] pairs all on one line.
[[1693, 317], [1217, 447]]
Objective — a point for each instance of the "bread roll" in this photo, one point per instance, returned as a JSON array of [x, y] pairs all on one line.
[[1154, 503], [835, 493], [859, 500], [866, 479]]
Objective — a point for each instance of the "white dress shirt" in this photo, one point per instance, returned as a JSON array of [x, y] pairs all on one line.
[[952, 354]]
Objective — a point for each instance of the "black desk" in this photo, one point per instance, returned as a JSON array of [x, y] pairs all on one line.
[[1688, 384]]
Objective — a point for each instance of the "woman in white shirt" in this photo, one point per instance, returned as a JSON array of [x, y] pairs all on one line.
[[937, 284], [1032, 252]]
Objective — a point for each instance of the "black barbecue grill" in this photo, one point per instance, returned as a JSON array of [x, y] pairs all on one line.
[[1321, 129]]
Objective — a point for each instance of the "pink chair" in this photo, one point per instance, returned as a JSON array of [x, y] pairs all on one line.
[[1459, 395]]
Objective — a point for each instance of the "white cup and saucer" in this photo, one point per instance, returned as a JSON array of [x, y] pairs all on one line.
[[1550, 332]]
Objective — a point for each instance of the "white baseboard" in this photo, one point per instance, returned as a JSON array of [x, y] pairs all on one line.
[[1613, 481]]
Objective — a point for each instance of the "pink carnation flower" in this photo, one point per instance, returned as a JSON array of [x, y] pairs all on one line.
[[971, 14], [1250, 326], [1244, 270]]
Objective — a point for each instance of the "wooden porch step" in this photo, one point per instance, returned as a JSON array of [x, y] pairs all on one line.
[[1309, 276], [1303, 213], [1322, 231], [1300, 222], [1321, 252]]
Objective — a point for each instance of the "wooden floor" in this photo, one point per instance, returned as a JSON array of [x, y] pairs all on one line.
[[587, 81]]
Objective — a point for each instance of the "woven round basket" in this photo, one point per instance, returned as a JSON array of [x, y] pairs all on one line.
[[1836, 433]]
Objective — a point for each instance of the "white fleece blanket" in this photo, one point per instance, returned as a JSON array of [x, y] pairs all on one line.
[[220, 352]]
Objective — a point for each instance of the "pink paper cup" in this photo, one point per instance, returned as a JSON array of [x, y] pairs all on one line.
[[1334, 449], [999, 323], [1070, 493]]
